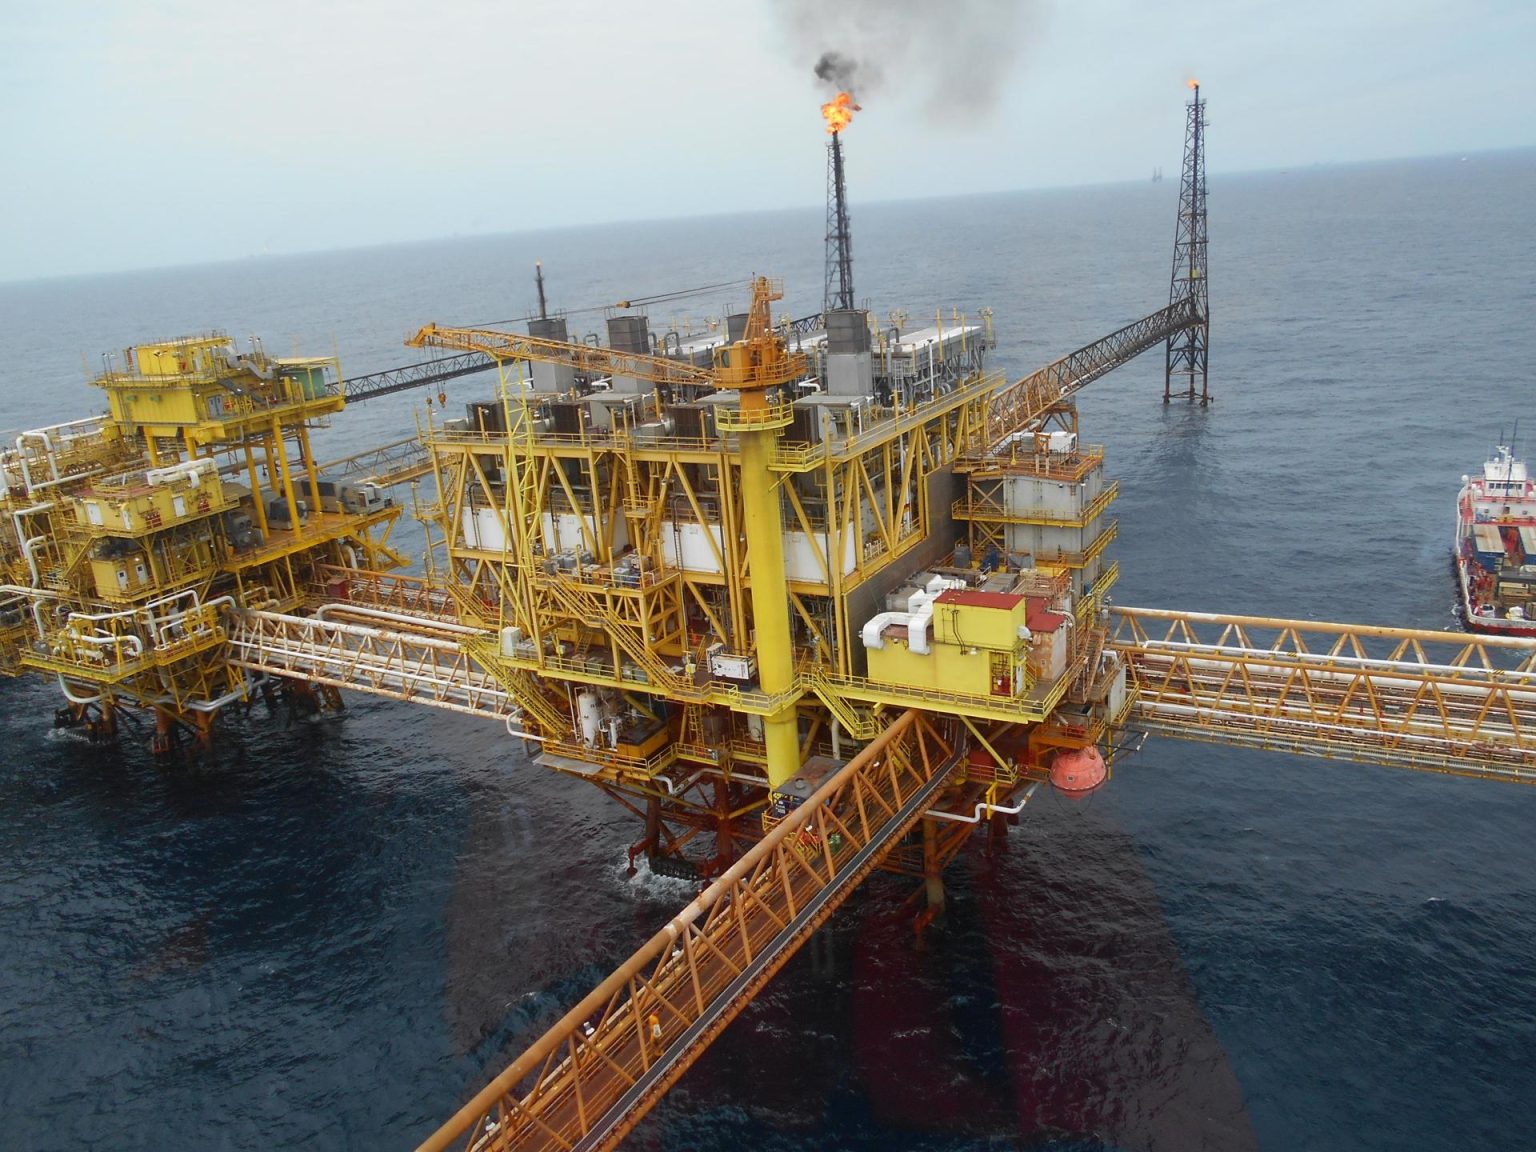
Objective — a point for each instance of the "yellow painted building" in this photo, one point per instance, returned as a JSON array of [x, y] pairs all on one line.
[[151, 501], [966, 641], [204, 389]]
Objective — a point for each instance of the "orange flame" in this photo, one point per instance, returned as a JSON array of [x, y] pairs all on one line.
[[1193, 83], [838, 112]]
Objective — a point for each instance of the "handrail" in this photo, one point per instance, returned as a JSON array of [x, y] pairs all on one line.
[[609, 1058], [1410, 698], [775, 415], [991, 511], [1020, 404]]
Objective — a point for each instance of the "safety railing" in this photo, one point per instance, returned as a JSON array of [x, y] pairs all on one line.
[[769, 416], [589, 1079], [1436, 701], [633, 768], [1064, 559], [1021, 457], [799, 457], [110, 647], [1019, 406], [1032, 707], [996, 511], [388, 591], [391, 661]]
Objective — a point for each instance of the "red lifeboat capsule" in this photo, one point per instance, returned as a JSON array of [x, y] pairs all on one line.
[[1078, 771]]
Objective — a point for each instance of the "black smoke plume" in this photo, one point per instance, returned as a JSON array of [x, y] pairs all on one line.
[[841, 72], [948, 57]]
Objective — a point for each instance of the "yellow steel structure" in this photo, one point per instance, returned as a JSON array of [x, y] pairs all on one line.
[[365, 650], [757, 368], [702, 521], [809, 600], [629, 553], [129, 540]]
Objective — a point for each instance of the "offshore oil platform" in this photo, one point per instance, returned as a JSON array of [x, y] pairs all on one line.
[[810, 598]]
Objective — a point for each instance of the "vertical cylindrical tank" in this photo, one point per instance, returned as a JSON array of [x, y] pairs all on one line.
[[589, 716]]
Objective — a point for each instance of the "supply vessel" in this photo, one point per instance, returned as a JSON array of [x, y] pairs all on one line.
[[1494, 550]]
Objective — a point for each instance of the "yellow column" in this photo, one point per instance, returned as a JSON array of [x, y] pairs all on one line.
[[310, 469], [287, 478], [764, 526], [256, 489]]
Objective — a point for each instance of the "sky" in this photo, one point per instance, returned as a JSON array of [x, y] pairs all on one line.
[[159, 132]]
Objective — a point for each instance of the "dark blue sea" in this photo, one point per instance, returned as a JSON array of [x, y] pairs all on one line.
[[334, 932]]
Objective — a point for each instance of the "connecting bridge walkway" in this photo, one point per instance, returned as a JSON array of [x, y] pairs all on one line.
[[394, 637], [1434, 701], [588, 1080]]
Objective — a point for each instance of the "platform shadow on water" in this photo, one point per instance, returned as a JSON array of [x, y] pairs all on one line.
[[1050, 1010]]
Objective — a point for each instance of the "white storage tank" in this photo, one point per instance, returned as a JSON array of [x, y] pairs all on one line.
[[590, 715]]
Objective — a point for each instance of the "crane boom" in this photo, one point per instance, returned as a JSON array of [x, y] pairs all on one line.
[[506, 347], [762, 361]]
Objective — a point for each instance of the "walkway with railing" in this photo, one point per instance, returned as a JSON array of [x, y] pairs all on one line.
[[1020, 406], [1437, 701], [424, 663], [588, 1080]]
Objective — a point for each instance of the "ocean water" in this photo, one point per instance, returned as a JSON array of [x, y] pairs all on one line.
[[334, 933]]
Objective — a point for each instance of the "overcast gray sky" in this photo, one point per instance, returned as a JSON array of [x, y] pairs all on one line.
[[158, 132]]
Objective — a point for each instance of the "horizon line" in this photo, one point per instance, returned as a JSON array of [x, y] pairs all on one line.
[[759, 211]]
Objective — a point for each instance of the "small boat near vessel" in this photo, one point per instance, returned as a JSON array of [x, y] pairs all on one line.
[[1495, 547]]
